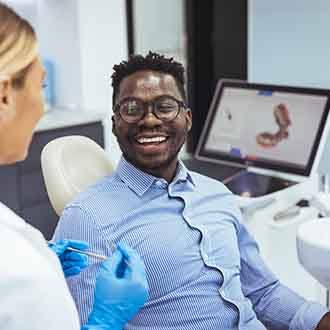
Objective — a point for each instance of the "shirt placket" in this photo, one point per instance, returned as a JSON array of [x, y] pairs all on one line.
[[205, 249]]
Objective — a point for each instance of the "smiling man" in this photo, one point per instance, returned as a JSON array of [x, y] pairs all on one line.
[[151, 121], [204, 269]]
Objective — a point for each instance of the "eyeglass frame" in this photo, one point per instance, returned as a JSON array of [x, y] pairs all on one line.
[[146, 104]]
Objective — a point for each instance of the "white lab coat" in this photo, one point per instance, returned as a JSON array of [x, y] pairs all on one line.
[[33, 291]]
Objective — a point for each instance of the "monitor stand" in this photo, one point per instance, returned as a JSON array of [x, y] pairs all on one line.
[[250, 184], [242, 182], [216, 171]]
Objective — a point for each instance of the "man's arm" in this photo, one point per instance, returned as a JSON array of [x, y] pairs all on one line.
[[108, 293], [277, 306], [76, 223]]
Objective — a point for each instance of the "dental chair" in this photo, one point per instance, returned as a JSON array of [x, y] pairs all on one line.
[[69, 165]]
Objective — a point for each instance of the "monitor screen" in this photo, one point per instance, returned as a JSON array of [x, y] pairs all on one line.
[[267, 126]]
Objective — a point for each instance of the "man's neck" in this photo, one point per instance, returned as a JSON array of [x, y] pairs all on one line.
[[166, 172]]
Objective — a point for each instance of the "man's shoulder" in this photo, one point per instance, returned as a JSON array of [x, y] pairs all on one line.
[[208, 187], [104, 188], [205, 181]]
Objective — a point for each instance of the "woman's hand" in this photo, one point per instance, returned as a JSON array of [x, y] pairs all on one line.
[[72, 262]]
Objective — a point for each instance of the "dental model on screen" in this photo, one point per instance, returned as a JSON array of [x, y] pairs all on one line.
[[269, 140]]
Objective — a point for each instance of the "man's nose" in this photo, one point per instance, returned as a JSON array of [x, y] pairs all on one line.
[[149, 118]]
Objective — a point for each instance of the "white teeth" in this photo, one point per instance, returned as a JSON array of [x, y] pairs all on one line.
[[156, 139]]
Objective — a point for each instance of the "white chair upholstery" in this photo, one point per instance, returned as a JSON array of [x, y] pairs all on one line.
[[69, 165]]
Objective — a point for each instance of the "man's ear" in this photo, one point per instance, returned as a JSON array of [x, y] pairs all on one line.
[[6, 98], [188, 119]]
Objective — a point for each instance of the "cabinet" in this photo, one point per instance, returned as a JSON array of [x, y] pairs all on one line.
[[22, 186]]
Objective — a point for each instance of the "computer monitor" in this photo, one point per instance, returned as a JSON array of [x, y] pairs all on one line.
[[265, 126]]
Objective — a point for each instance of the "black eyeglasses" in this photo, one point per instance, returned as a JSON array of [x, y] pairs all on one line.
[[165, 108]]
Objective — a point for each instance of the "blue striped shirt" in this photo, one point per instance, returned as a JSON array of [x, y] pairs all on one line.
[[204, 269]]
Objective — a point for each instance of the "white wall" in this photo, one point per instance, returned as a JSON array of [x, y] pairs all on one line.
[[103, 43], [59, 38], [289, 42], [158, 25]]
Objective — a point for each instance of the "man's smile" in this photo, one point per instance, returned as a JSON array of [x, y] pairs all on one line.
[[151, 139], [151, 143]]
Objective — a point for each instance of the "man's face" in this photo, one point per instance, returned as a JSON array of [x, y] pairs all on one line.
[[159, 155]]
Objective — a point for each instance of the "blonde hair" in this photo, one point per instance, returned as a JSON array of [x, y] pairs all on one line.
[[18, 45]]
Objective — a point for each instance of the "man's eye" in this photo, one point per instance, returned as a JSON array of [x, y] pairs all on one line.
[[165, 107], [131, 108]]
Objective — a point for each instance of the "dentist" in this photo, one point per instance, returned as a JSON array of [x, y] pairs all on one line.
[[33, 291]]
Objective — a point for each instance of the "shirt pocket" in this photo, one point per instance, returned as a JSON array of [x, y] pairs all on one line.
[[221, 246]]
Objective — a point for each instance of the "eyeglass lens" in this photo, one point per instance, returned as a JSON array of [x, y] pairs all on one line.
[[163, 108]]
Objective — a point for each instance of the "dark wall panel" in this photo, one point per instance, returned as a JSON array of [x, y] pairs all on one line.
[[216, 48]]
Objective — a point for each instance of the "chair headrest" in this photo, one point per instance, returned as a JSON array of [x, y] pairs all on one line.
[[69, 165]]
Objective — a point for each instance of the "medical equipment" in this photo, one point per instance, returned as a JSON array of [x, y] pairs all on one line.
[[254, 205], [321, 202], [92, 254], [87, 253], [291, 211], [254, 129]]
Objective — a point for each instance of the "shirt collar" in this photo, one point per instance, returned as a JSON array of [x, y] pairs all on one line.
[[182, 173], [140, 181]]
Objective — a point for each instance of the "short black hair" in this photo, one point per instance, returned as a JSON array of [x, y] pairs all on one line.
[[152, 61]]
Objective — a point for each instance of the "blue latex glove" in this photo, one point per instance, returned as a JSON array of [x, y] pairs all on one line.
[[72, 262], [121, 290]]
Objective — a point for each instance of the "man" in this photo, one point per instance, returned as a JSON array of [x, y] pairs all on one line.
[[203, 268]]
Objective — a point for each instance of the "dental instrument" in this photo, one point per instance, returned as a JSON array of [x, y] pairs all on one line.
[[92, 254]]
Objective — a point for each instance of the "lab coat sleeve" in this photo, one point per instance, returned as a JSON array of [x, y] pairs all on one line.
[[33, 295], [276, 306]]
